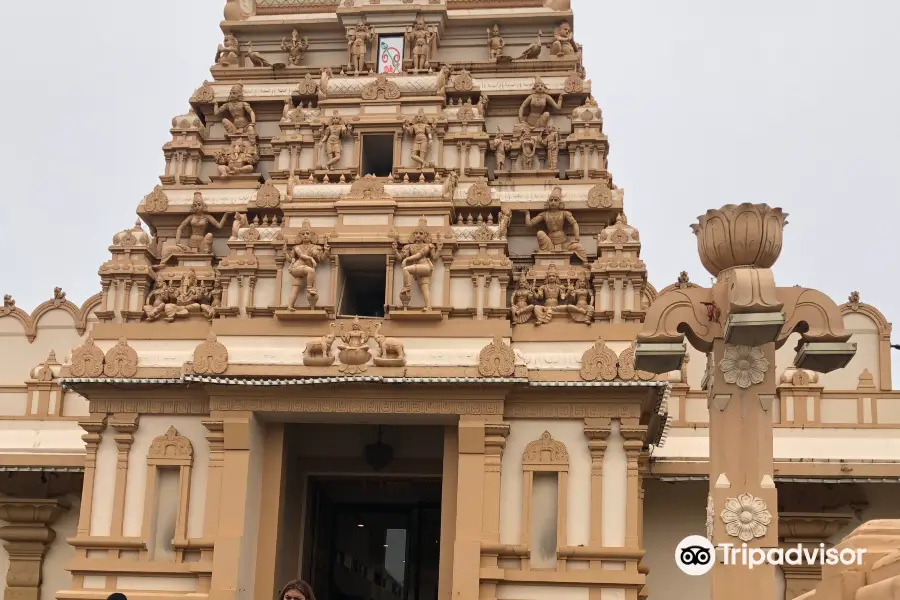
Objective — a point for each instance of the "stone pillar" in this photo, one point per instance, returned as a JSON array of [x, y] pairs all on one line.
[[597, 431], [233, 556], [94, 426], [125, 426], [634, 436], [27, 537], [807, 530], [469, 507], [743, 507]]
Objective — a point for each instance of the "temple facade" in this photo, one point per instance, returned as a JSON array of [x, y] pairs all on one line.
[[379, 328]]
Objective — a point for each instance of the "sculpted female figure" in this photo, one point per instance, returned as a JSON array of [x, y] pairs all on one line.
[[534, 110], [499, 146], [522, 301], [161, 295], [197, 222], [415, 258], [242, 115], [551, 143], [582, 311], [563, 41], [305, 257], [529, 147], [551, 293], [554, 219]]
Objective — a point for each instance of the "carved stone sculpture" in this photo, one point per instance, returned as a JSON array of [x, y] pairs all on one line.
[[496, 44], [318, 352], [500, 146], [256, 59], [239, 159], [354, 352], [563, 41], [228, 52], [295, 48], [581, 298], [528, 146], [534, 110], [416, 260], [357, 45], [551, 293], [443, 80], [170, 302], [420, 37], [422, 132], [197, 223], [392, 353], [332, 132], [534, 49], [503, 225], [551, 141], [305, 257], [554, 218], [522, 300], [242, 115]]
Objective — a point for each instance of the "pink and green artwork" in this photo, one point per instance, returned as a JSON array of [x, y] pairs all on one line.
[[390, 54]]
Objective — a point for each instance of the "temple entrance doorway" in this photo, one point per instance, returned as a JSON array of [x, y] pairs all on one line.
[[374, 537]]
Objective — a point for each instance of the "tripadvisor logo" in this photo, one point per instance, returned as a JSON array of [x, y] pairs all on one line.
[[695, 555]]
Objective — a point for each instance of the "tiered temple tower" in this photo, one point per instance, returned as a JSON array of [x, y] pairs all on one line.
[[386, 252]]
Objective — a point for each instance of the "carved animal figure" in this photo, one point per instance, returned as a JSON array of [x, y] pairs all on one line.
[[390, 347], [534, 49], [320, 348]]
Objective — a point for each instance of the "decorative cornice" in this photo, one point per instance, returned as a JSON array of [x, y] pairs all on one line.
[[30, 323]]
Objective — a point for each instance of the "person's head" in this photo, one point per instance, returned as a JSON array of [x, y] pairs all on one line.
[[117, 596], [297, 590]]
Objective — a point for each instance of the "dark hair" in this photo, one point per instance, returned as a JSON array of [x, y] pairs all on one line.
[[297, 584], [117, 596]]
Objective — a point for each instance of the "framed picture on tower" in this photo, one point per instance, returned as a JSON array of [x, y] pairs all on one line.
[[390, 54]]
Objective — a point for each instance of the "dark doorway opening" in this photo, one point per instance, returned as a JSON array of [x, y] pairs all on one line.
[[377, 154], [362, 285], [374, 538]]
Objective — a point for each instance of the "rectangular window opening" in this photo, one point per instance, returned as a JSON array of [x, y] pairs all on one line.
[[362, 285], [377, 155], [544, 519]]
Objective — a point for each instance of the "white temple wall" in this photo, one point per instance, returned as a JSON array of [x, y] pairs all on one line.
[[54, 573], [104, 485], [56, 332], [571, 433], [135, 487]]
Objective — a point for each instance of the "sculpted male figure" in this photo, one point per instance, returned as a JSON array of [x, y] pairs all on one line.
[[554, 218], [331, 139], [305, 257], [242, 115]]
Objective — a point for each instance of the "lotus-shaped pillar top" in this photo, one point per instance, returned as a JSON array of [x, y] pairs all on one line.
[[739, 235]]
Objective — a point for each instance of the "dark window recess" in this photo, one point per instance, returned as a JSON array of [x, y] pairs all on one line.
[[363, 281], [377, 155]]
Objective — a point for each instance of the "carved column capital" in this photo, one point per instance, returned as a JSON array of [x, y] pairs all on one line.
[[27, 537]]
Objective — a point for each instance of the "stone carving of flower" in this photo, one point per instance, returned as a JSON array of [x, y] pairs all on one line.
[[710, 517], [744, 366], [746, 517]]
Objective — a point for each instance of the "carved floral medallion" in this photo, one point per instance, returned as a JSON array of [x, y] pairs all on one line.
[[744, 366], [746, 517]]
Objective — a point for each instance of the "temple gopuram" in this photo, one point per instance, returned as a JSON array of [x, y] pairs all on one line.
[[383, 326]]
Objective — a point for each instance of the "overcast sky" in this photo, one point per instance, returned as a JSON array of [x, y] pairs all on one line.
[[795, 103]]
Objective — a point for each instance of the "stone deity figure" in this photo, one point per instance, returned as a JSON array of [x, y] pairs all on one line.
[[289, 113], [496, 44], [551, 294], [357, 337], [554, 218], [420, 36], [551, 141], [305, 257], [416, 260], [332, 132], [170, 302], [242, 115], [239, 159], [197, 222], [529, 147], [581, 297], [161, 295], [503, 225], [421, 131], [534, 110], [443, 79], [295, 48], [357, 45], [522, 300], [228, 53], [500, 147], [563, 41]]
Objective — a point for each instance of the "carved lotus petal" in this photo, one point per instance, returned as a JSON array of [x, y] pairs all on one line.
[[739, 235]]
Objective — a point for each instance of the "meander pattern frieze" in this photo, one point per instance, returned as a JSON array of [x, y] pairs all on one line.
[[344, 406]]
